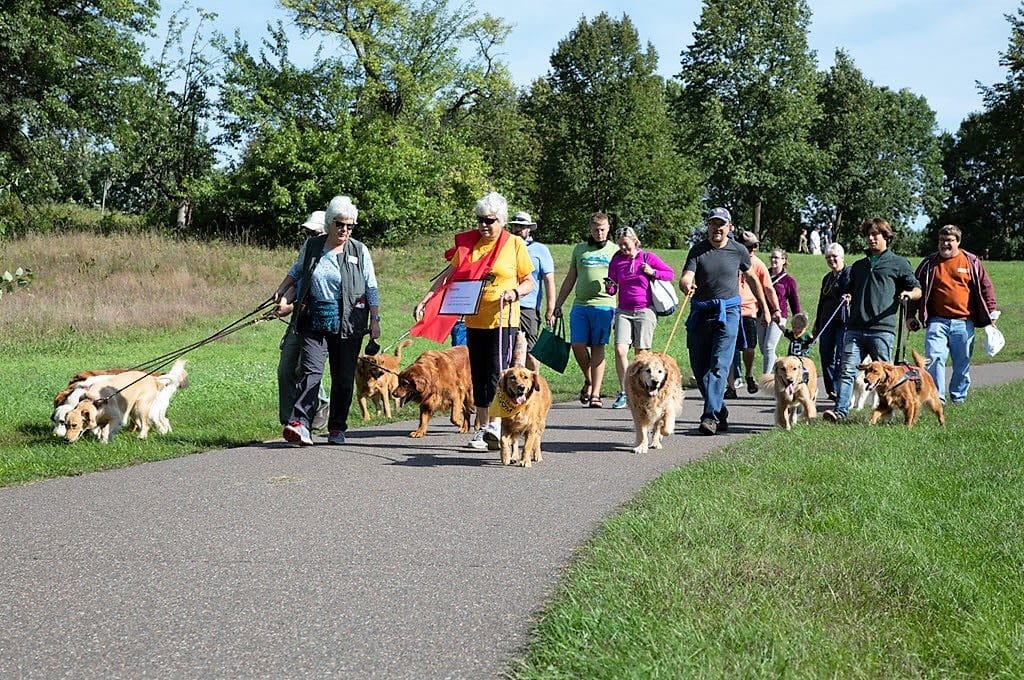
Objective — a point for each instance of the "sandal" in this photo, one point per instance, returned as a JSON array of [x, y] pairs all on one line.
[[585, 394], [595, 402]]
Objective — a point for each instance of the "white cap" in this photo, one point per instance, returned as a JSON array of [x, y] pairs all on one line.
[[316, 221]]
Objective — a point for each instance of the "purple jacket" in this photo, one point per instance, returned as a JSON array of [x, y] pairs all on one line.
[[785, 288], [634, 287], [982, 301]]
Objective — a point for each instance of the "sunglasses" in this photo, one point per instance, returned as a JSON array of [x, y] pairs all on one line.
[[346, 225], [486, 220], [619, 233]]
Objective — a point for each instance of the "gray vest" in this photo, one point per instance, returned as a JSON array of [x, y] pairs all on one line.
[[352, 304]]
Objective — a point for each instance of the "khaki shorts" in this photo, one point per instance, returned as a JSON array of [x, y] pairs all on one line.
[[635, 328]]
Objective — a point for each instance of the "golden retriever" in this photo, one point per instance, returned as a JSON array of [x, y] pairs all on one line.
[[438, 381], [377, 378], [907, 388], [105, 410], [795, 383], [523, 400], [69, 397], [654, 392]]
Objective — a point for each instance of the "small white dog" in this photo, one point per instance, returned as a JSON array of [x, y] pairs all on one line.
[[862, 396], [169, 383]]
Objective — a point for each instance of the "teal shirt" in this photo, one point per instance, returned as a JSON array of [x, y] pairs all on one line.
[[591, 265]]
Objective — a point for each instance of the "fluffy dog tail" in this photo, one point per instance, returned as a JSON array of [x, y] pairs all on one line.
[[402, 345]]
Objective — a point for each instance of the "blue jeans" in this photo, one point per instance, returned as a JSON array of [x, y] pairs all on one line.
[[856, 345], [712, 346], [945, 337], [829, 348]]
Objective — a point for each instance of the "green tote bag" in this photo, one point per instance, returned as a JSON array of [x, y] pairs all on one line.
[[551, 348]]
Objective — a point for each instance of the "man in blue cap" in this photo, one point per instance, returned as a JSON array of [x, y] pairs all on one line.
[[710, 276]]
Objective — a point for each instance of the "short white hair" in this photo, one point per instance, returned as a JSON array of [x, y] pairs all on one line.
[[835, 249], [340, 206], [493, 203]]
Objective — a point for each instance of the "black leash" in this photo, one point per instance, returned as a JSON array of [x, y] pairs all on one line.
[[153, 365], [900, 319]]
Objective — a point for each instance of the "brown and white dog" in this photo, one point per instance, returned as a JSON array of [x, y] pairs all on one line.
[[169, 383], [376, 380], [862, 396], [68, 398], [104, 410], [795, 383], [907, 388], [654, 392]]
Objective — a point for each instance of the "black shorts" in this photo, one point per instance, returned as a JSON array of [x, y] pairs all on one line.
[[747, 336], [529, 323]]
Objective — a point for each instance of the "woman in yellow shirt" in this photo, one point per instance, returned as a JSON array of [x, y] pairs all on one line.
[[500, 261]]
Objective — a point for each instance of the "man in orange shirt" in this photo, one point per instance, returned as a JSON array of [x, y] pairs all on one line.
[[958, 297], [746, 340]]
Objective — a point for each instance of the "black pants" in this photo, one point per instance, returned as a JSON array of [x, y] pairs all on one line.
[[342, 353], [487, 360]]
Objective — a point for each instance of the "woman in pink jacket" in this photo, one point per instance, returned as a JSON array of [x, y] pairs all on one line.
[[630, 273]]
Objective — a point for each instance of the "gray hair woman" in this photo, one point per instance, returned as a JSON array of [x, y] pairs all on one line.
[[500, 261], [336, 299], [830, 333]]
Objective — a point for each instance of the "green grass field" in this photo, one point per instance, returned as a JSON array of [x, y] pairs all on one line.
[[849, 551]]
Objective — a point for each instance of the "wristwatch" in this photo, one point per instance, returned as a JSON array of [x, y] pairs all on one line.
[[375, 317]]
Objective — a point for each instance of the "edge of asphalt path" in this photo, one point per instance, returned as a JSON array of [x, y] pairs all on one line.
[[385, 557]]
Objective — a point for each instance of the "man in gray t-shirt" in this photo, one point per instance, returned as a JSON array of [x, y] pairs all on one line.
[[710, 276]]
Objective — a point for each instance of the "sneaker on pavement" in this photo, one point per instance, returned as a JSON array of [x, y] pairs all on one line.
[[492, 437], [335, 437], [477, 441], [730, 393], [737, 383], [297, 433], [708, 426], [752, 387], [723, 422], [620, 401]]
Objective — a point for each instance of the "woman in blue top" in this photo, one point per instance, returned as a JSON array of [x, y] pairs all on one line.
[[335, 297]]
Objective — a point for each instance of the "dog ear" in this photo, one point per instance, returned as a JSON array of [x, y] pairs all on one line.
[[536, 380]]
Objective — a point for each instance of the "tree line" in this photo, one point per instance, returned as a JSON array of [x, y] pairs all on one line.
[[411, 111]]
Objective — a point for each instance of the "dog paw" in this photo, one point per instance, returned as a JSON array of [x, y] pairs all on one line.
[[640, 449], [416, 434]]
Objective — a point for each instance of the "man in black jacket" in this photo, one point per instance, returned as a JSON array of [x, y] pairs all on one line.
[[878, 284]]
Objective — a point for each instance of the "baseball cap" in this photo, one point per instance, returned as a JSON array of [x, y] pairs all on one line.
[[522, 218], [720, 214], [316, 221], [749, 239]]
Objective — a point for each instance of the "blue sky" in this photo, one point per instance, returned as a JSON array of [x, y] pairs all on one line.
[[936, 48]]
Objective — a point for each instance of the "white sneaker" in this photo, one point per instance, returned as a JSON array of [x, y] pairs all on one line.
[[477, 441], [492, 435]]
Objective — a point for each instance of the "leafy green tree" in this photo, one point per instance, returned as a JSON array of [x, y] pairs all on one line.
[[602, 114], [63, 67], [984, 164], [882, 154], [747, 104]]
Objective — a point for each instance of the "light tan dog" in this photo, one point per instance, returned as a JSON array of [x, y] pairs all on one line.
[[69, 397], [522, 401], [105, 410], [169, 384], [376, 380], [437, 381], [795, 383], [907, 388], [654, 391]]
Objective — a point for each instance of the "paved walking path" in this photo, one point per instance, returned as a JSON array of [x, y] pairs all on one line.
[[388, 557]]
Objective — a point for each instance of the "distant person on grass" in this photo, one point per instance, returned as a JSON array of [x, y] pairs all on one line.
[[530, 316], [593, 307], [710, 275], [291, 349], [336, 298], [958, 297], [877, 285]]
